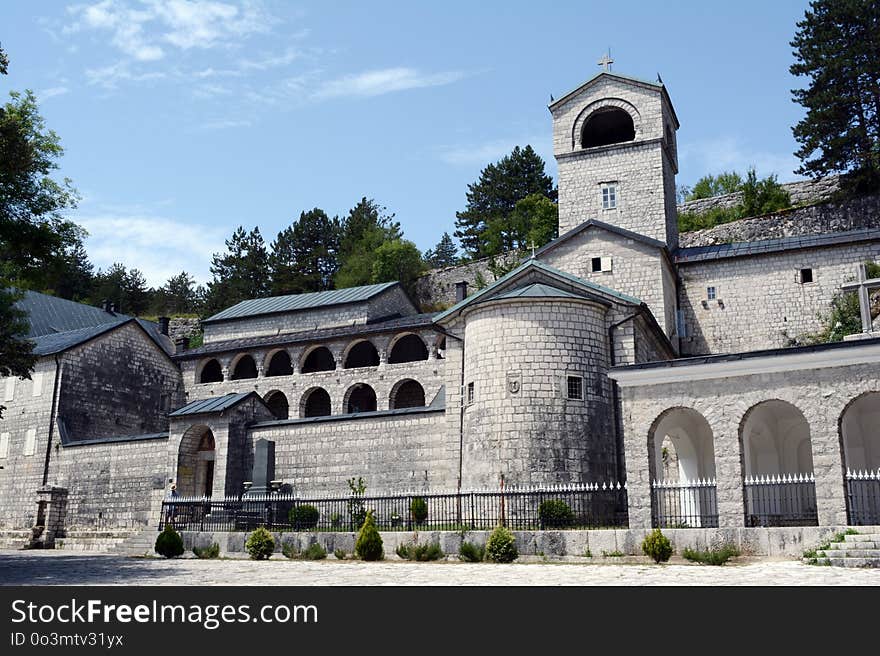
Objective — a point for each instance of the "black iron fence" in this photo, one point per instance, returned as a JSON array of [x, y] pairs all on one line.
[[781, 500], [684, 504], [587, 506], [863, 498]]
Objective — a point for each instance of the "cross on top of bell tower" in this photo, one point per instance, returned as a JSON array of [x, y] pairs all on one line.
[[606, 61]]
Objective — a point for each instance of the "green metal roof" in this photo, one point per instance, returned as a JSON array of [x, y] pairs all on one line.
[[214, 404], [296, 302], [538, 290]]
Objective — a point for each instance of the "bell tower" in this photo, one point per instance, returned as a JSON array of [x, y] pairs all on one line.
[[614, 140]]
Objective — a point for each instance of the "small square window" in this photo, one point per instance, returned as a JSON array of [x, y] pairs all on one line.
[[609, 196], [711, 293], [806, 275], [596, 264], [575, 388], [470, 393]]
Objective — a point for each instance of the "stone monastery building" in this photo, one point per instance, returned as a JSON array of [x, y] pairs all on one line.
[[621, 351]]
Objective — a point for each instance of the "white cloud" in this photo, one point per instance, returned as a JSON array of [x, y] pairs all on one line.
[[491, 151], [382, 81], [51, 92], [109, 76], [225, 124], [159, 247], [729, 153]]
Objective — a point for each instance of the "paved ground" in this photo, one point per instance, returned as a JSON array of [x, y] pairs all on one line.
[[66, 568]]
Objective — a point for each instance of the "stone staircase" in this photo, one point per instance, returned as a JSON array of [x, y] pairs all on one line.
[[140, 543], [859, 550]]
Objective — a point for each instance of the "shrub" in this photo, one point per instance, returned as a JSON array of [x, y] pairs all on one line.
[[314, 552], [207, 552], [169, 543], [555, 513], [290, 550], [303, 518], [340, 554], [260, 544], [657, 546], [418, 507], [369, 542], [501, 546], [420, 552], [471, 553], [712, 556]]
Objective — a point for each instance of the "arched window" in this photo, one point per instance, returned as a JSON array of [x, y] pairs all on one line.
[[315, 403], [441, 348], [362, 354], [212, 372], [409, 348], [407, 394], [244, 368], [280, 365], [606, 126], [360, 398], [318, 359], [860, 437], [278, 404]]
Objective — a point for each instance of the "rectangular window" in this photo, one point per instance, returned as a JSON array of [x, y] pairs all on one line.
[[4, 445], [30, 442], [596, 264], [805, 275], [38, 384], [470, 393], [10, 388], [575, 388], [600, 264], [711, 293], [609, 196]]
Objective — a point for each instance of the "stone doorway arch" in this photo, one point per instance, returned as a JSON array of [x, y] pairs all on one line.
[[195, 462]]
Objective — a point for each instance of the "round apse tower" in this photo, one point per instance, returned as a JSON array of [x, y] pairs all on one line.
[[536, 396]]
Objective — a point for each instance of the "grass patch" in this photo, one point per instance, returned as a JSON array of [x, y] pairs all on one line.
[[612, 554]]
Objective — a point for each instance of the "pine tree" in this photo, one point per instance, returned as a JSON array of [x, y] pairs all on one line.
[[495, 195], [363, 231], [305, 255], [74, 276], [837, 46], [444, 254], [241, 273], [179, 295]]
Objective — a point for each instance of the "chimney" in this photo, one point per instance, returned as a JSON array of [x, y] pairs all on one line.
[[163, 325], [105, 305], [112, 308], [181, 344], [461, 291]]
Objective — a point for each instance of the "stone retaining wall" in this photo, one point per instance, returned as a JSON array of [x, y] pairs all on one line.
[[801, 192]]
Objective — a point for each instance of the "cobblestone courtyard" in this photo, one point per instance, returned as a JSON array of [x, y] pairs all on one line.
[[66, 568]]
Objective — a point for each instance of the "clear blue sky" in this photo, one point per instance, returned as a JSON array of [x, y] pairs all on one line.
[[182, 120]]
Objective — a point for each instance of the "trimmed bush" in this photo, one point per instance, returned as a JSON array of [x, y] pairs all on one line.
[[471, 553], [260, 544], [501, 546], [304, 517], [369, 542], [711, 556], [290, 550], [657, 546], [555, 513], [314, 552], [420, 552], [169, 543], [418, 507], [340, 554], [207, 552]]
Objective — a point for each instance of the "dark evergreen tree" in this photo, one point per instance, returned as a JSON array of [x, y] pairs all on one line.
[[444, 254], [837, 46], [179, 295], [241, 273], [305, 255], [363, 231], [494, 196], [74, 276]]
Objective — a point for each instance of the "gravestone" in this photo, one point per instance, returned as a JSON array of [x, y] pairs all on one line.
[[264, 468]]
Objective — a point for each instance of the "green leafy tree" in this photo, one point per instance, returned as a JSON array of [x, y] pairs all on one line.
[[493, 198], [73, 275], [305, 256], [179, 295], [126, 289], [400, 260], [16, 351], [241, 273], [758, 197], [361, 223], [444, 254], [727, 182], [837, 47], [4, 62], [762, 196]]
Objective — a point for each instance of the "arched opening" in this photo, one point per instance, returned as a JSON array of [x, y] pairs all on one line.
[[778, 466], [211, 372], [682, 448], [606, 126], [407, 394], [362, 354], [409, 348], [318, 359], [278, 404], [860, 438], [360, 398], [280, 365], [244, 368], [441, 347], [315, 403], [195, 462]]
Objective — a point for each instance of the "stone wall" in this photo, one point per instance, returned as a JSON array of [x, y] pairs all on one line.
[[435, 290], [852, 214], [760, 303], [183, 327], [802, 192], [393, 452]]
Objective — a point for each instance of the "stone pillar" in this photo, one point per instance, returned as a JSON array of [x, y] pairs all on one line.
[[638, 472], [51, 515], [728, 474], [295, 356], [828, 471]]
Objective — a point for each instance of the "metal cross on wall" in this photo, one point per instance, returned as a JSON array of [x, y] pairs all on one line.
[[606, 61], [863, 286]]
